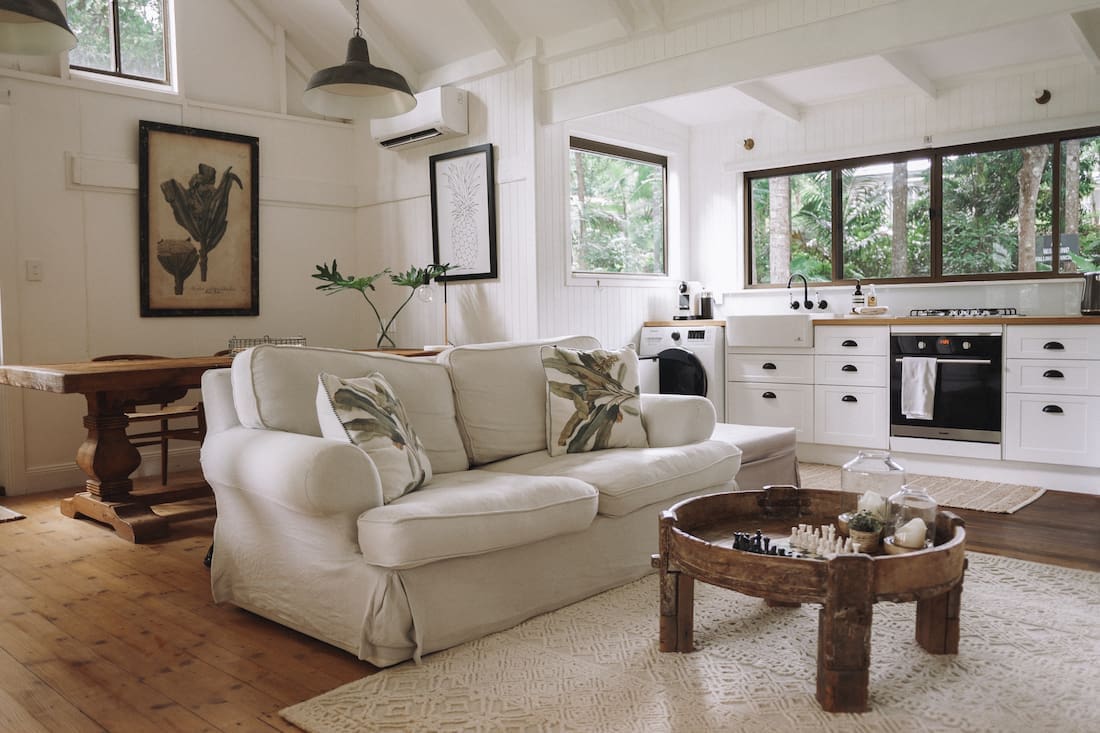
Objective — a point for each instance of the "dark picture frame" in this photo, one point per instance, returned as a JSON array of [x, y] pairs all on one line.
[[464, 214], [199, 210]]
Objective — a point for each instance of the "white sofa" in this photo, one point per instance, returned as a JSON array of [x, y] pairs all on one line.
[[502, 532]]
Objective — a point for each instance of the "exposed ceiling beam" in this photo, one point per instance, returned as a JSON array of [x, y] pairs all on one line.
[[770, 99], [502, 35], [383, 51], [625, 14], [1085, 26], [657, 9], [912, 73]]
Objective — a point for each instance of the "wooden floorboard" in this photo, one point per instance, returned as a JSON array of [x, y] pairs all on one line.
[[99, 634]]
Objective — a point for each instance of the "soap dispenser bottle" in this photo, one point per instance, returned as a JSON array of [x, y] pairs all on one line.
[[858, 300]]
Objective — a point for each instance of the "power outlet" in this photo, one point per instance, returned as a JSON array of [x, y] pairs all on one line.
[[34, 270]]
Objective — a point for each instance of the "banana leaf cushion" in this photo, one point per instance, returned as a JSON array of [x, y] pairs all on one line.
[[365, 412], [592, 400]]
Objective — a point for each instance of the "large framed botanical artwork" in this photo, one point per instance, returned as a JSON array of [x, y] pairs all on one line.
[[199, 221], [464, 218]]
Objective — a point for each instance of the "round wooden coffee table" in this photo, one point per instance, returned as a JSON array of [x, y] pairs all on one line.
[[696, 544]]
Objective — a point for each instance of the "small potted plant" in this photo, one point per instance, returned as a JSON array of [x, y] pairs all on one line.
[[865, 529]]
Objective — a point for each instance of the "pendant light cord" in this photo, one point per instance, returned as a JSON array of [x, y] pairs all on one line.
[[358, 32]]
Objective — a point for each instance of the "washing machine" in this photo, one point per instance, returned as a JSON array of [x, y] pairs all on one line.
[[684, 360]]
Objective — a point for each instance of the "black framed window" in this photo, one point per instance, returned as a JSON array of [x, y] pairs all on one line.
[[1017, 208], [618, 209], [122, 38]]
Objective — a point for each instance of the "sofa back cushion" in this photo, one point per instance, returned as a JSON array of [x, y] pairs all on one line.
[[275, 387], [500, 395]]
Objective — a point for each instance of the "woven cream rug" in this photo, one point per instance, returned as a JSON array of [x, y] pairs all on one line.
[[985, 496], [1029, 660]]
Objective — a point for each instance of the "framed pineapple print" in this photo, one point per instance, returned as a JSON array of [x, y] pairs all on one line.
[[198, 195], [464, 216]]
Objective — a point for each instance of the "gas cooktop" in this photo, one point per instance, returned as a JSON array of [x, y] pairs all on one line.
[[961, 312]]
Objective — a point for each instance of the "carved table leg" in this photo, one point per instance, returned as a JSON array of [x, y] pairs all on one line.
[[108, 458], [844, 635]]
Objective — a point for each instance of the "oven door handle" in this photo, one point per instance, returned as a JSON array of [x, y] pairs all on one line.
[[958, 361]]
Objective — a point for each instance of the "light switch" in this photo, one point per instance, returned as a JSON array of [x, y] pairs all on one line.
[[34, 270]]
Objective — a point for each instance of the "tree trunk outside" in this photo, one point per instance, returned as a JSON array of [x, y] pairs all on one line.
[[899, 260], [779, 231], [582, 206], [1031, 173], [1072, 187]]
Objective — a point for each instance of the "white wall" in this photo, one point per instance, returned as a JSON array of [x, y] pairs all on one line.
[[970, 109], [68, 180]]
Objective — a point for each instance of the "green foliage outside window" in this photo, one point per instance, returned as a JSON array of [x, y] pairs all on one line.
[[997, 215], [617, 208], [141, 48]]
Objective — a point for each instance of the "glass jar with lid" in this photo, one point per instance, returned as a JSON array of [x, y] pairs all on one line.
[[909, 504], [872, 470]]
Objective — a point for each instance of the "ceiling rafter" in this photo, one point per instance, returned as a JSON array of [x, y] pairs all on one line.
[[770, 99], [1085, 26], [504, 38], [625, 14], [656, 8], [912, 73], [383, 51]]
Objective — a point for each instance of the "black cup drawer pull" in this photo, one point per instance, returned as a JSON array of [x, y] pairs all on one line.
[[1053, 374], [849, 343], [848, 398], [849, 368], [768, 395], [1054, 409], [768, 365], [1054, 346]]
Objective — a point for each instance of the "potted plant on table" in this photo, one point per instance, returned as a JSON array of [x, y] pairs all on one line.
[[413, 278], [865, 529]]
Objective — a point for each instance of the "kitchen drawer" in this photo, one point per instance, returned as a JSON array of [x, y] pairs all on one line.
[[1052, 342], [1050, 377], [861, 340], [866, 371], [796, 368], [1036, 431], [775, 405], [856, 416]]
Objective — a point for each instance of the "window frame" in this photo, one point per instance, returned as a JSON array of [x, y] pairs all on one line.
[[588, 144], [936, 154], [116, 75]]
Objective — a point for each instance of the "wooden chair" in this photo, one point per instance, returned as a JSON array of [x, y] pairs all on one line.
[[163, 413]]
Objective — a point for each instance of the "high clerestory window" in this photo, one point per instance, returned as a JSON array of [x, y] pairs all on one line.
[[1025, 207], [618, 209], [127, 39]]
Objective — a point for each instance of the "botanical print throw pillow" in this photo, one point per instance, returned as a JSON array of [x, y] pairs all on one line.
[[592, 400], [365, 412]]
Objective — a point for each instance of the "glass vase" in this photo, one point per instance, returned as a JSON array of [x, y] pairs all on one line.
[[872, 470], [906, 505]]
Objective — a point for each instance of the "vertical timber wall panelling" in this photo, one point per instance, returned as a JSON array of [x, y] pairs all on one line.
[[83, 228], [395, 220], [968, 110], [612, 313]]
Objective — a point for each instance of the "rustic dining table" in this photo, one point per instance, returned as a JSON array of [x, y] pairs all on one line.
[[107, 456]]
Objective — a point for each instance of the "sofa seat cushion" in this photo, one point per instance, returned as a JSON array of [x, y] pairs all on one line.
[[500, 395], [631, 478], [473, 512], [757, 442], [275, 387]]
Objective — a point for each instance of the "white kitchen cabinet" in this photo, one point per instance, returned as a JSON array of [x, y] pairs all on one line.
[[772, 404], [851, 386], [788, 368], [1052, 394]]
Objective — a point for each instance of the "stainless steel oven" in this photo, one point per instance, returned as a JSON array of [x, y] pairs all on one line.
[[966, 399]]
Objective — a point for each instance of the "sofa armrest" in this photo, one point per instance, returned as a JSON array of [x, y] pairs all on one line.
[[310, 475], [672, 419]]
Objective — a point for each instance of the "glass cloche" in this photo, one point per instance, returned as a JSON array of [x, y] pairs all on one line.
[[872, 470], [911, 517]]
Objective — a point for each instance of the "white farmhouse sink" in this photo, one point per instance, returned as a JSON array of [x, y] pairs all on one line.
[[782, 330]]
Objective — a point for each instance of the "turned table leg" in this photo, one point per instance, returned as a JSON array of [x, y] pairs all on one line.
[[844, 635]]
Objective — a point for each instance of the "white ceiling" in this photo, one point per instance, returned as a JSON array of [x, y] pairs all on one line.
[[434, 39]]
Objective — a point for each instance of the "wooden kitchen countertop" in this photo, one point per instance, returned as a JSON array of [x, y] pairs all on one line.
[[837, 319]]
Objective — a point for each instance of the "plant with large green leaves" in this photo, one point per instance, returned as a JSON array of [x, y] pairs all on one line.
[[413, 278]]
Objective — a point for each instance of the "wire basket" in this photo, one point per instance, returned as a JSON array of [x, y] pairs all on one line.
[[237, 345]]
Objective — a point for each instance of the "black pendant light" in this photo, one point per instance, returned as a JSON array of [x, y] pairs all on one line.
[[33, 27], [357, 89]]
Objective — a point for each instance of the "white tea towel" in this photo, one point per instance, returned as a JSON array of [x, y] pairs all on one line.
[[918, 387]]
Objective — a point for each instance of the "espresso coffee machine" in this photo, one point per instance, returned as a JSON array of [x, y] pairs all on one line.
[[688, 308]]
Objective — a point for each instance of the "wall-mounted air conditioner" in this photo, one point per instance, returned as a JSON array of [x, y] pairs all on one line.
[[439, 113]]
